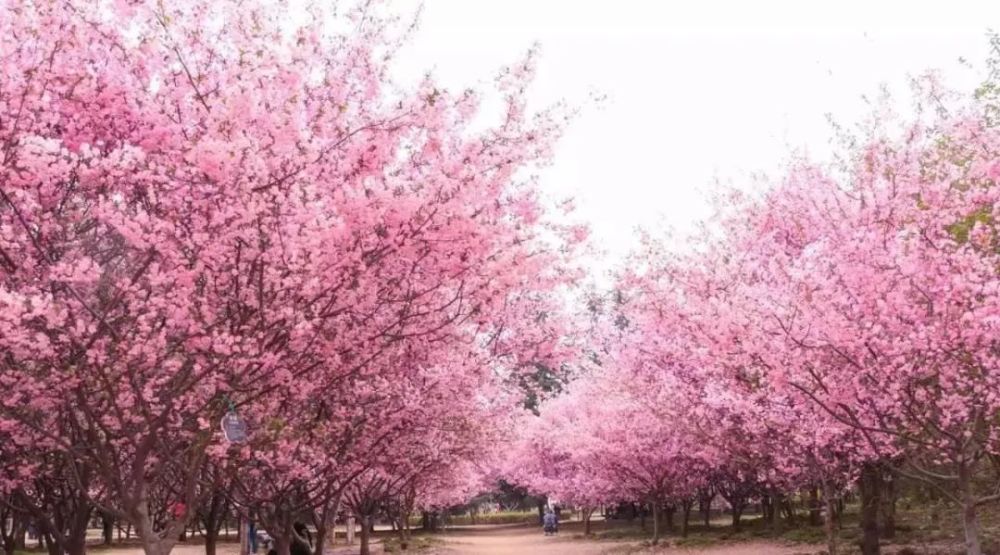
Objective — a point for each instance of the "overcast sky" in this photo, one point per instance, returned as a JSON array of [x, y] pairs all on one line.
[[697, 90]]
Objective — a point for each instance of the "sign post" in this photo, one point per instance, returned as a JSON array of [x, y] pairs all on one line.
[[234, 427]]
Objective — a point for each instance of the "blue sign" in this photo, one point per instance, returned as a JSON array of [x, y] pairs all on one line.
[[234, 428]]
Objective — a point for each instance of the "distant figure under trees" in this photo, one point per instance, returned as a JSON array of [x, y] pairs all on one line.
[[550, 523]]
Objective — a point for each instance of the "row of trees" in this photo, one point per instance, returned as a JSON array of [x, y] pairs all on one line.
[[226, 209], [840, 324]]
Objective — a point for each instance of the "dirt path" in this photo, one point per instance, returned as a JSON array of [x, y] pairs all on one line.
[[520, 540], [507, 540], [513, 540]]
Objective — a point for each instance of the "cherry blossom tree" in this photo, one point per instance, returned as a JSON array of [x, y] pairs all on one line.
[[211, 207], [861, 301], [880, 296]]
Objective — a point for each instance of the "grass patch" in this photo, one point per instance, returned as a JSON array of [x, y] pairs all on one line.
[[416, 543], [501, 517], [695, 541], [805, 534], [621, 533]]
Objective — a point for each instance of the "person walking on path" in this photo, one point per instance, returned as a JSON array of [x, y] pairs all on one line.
[[550, 523]]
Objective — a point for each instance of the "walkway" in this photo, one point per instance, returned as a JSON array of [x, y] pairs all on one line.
[[511, 540], [521, 540]]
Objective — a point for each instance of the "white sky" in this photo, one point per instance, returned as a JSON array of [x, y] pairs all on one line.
[[697, 90]]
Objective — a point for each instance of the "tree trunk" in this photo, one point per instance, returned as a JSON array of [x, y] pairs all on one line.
[[814, 508], [970, 521], [782, 512], [398, 523], [211, 540], [77, 546], [737, 503], [887, 507], [829, 526], [686, 507], [320, 540], [869, 486], [435, 521], [242, 535], [107, 528], [656, 523], [76, 537], [705, 497], [787, 508], [13, 533], [53, 546], [212, 519], [153, 543], [669, 512], [283, 544], [20, 541], [365, 535], [586, 513]]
